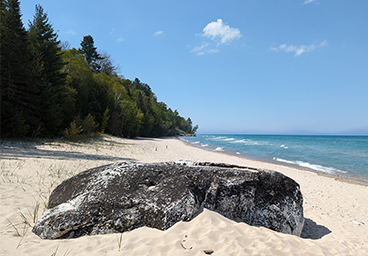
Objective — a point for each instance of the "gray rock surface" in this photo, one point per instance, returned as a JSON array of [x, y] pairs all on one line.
[[128, 195]]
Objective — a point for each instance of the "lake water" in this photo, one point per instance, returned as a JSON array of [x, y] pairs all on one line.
[[337, 155]]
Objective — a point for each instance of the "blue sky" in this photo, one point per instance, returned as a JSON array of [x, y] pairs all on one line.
[[244, 66]]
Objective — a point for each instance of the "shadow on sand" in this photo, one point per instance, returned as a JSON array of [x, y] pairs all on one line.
[[29, 150], [312, 230]]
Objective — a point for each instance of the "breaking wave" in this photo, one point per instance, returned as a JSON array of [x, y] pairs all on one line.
[[316, 167]]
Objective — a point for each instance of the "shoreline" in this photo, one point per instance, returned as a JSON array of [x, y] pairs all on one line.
[[344, 177], [335, 211]]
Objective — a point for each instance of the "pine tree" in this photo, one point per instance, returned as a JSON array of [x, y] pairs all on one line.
[[47, 71], [18, 96], [89, 52]]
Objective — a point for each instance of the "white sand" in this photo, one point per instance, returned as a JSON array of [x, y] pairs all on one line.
[[336, 212]]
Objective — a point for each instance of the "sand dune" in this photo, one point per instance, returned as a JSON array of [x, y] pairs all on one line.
[[336, 212]]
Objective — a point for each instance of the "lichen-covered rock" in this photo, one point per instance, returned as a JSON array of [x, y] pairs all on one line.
[[128, 195]]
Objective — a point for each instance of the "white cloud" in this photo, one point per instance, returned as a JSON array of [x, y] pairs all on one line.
[[310, 1], [299, 50], [112, 31], [213, 51], [71, 32], [120, 39], [323, 44], [217, 29], [218, 32], [200, 48], [158, 33], [203, 48]]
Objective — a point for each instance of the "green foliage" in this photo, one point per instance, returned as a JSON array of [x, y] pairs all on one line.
[[73, 132], [105, 120], [18, 94], [89, 126], [16, 123], [82, 129], [78, 82], [45, 90], [132, 118], [142, 87], [47, 72], [89, 52]]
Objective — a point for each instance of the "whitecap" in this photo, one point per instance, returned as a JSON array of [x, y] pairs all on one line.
[[219, 149], [284, 161], [222, 138], [316, 167], [320, 168], [238, 141], [254, 143], [218, 138]]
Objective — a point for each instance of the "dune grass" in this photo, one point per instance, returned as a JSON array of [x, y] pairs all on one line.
[[33, 174]]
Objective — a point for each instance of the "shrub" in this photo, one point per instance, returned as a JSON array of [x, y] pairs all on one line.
[[89, 126], [87, 129], [73, 132]]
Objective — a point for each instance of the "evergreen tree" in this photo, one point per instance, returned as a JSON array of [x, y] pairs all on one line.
[[47, 71], [18, 100], [89, 52]]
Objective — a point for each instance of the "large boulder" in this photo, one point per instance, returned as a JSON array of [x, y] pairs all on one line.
[[128, 195]]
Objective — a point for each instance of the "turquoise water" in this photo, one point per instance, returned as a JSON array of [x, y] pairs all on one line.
[[338, 155]]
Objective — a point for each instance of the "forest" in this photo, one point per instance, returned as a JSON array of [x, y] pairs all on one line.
[[50, 90]]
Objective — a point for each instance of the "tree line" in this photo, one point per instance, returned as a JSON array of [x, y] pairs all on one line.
[[49, 90]]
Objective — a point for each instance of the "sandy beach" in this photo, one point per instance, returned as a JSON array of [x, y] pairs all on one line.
[[336, 211]]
